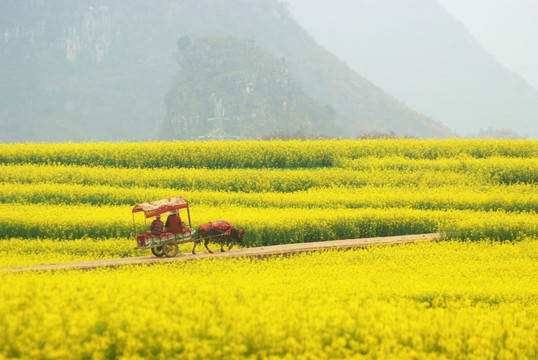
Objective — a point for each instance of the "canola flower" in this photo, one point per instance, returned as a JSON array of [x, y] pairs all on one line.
[[256, 154], [467, 189], [448, 299], [441, 300], [244, 180], [401, 172], [520, 197], [269, 226], [16, 252]]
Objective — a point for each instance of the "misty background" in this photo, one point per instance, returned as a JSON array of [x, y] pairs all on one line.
[[96, 70], [472, 64]]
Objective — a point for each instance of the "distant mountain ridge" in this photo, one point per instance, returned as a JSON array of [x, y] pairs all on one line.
[[100, 70], [419, 53]]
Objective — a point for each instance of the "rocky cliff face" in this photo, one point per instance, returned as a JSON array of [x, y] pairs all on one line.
[[252, 95], [81, 71], [100, 70]]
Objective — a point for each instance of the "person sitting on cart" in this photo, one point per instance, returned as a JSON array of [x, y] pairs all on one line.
[[156, 227], [173, 223]]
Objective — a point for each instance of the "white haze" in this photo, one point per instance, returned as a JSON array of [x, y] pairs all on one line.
[[506, 31], [507, 28]]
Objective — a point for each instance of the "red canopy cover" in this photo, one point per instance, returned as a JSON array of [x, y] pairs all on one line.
[[159, 207]]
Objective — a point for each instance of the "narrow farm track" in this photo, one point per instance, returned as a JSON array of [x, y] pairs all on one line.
[[259, 252]]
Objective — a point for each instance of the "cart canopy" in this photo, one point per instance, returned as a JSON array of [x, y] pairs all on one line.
[[159, 207]]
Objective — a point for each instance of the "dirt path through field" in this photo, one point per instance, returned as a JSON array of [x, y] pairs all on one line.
[[261, 251]]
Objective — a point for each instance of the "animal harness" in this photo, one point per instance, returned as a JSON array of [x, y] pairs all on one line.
[[223, 227]]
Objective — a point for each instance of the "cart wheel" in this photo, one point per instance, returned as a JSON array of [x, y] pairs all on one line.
[[170, 249], [157, 251]]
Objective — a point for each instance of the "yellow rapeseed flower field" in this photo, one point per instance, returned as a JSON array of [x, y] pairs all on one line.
[[430, 300], [472, 295]]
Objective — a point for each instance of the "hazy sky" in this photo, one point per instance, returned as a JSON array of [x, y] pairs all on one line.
[[508, 29]]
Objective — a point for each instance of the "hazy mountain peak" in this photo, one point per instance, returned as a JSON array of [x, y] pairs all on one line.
[[419, 53], [99, 70]]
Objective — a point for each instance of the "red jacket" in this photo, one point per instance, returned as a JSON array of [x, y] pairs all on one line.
[[173, 224]]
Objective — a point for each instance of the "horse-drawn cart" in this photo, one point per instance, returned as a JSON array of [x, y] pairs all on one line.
[[166, 243]]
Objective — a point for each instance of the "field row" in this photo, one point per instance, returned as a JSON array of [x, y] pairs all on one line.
[[445, 300], [24, 252], [485, 173], [512, 198], [256, 154], [502, 170], [270, 226]]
